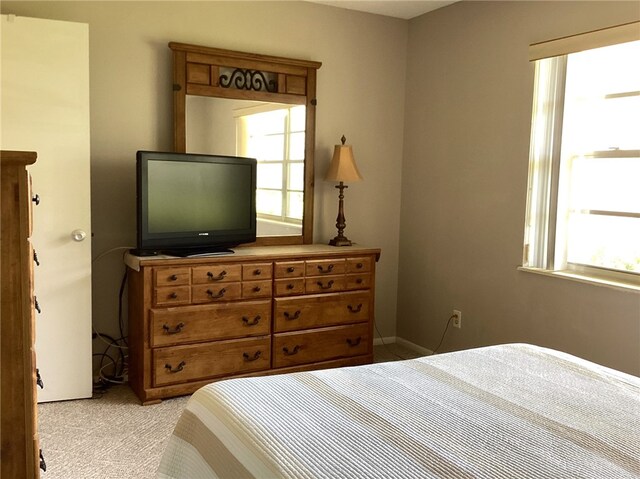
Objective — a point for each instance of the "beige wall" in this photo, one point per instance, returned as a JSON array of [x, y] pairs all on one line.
[[469, 94], [360, 93], [466, 142]]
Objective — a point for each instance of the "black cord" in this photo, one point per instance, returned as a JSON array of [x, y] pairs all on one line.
[[443, 333], [434, 351], [114, 344], [103, 356], [100, 386], [384, 344], [120, 364], [120, 318]]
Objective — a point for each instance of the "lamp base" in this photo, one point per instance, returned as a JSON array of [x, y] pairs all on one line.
[[340, 241]]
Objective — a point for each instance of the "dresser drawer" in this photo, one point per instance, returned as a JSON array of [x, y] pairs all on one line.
[[357, 281], [326, 284], [291, 314], [206, 323], [171, 276], [289, 269], [290, 349], [208, 360], [359, 265], [256, 289], [323, 267], [257, 271], [172, 295], [210, 293], [216, 273], [289, 287]]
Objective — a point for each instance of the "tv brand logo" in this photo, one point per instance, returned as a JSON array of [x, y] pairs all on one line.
[[203, 234]]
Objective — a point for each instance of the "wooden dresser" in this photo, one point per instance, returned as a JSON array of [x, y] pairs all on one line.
[[262, 310], [20, 450]]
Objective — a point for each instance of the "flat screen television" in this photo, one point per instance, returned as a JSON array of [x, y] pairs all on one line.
[[192, 204]]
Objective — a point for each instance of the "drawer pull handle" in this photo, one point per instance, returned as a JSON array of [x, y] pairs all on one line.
[[36, 305], [293, 316], [354, 342], [257, 272], [173, 295], [323, 270], [359, 265], [43, 465], [323, 286], [36, 199], [290, 269], [216, 296], [357, 309], [290, 286], [35, 258], [251, 358], [176, 330], [176, 370], [173, 277], [39, 379], [216, 278], [257, 289], [359, 281], [255, 321], [295, 350]]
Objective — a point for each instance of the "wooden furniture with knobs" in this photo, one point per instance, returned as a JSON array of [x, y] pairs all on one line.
[[20, 450], [262, 310]]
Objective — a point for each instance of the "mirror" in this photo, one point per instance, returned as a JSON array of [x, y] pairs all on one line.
[[243, 104], [274, 134]]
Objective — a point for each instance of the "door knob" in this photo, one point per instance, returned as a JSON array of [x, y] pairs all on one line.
[[78, 235]]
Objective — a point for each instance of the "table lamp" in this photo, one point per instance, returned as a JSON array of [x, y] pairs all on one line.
[[342, 169]]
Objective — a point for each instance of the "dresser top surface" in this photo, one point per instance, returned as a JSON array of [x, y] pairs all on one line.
[[9, 157], [255, 253]]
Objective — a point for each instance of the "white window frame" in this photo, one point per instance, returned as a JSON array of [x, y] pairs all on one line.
[[543, 252]]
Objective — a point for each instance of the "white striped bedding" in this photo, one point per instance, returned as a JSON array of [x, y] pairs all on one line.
[[509, 411]]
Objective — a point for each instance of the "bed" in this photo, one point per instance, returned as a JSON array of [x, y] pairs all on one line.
[[507, 411]]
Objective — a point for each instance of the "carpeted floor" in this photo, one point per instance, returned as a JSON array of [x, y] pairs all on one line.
[[113, 437]]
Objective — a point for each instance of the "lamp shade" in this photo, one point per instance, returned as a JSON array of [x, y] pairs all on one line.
[[343, 166]]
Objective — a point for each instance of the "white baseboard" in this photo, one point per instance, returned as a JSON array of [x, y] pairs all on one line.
[[388, 340], [414, 347], [402, 342]]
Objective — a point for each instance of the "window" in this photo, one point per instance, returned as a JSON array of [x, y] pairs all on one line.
[[583, 205], [276, 138]]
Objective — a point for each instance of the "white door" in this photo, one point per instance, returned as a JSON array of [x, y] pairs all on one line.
[[45, 108]]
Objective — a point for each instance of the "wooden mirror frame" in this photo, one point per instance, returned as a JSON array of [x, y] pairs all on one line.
[[197, 71]]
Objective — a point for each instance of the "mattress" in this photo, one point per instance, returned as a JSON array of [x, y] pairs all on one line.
[[507, 411]]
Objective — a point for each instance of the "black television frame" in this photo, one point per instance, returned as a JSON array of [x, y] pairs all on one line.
[[189, 243]]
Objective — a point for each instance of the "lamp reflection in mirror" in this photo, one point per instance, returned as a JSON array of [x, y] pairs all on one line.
[[344, 170]]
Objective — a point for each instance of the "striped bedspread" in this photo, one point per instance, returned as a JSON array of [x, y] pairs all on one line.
[[509, 411]]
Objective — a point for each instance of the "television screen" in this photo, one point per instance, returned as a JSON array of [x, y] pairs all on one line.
[[191, 204]]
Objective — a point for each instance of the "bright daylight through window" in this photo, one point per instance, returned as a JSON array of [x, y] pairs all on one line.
[[276, 138], [583, 208]]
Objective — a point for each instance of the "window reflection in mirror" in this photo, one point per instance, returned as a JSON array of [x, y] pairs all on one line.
[[274, 134]]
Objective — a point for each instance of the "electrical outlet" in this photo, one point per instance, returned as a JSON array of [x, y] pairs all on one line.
[[457, 319]]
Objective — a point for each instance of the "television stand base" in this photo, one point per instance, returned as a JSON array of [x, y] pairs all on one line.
[[198, 253], [143, 252]]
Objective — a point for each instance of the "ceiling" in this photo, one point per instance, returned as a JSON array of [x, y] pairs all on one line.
[[391, 8]]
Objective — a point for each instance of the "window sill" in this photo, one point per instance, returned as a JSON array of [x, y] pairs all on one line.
[[583, 278]]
